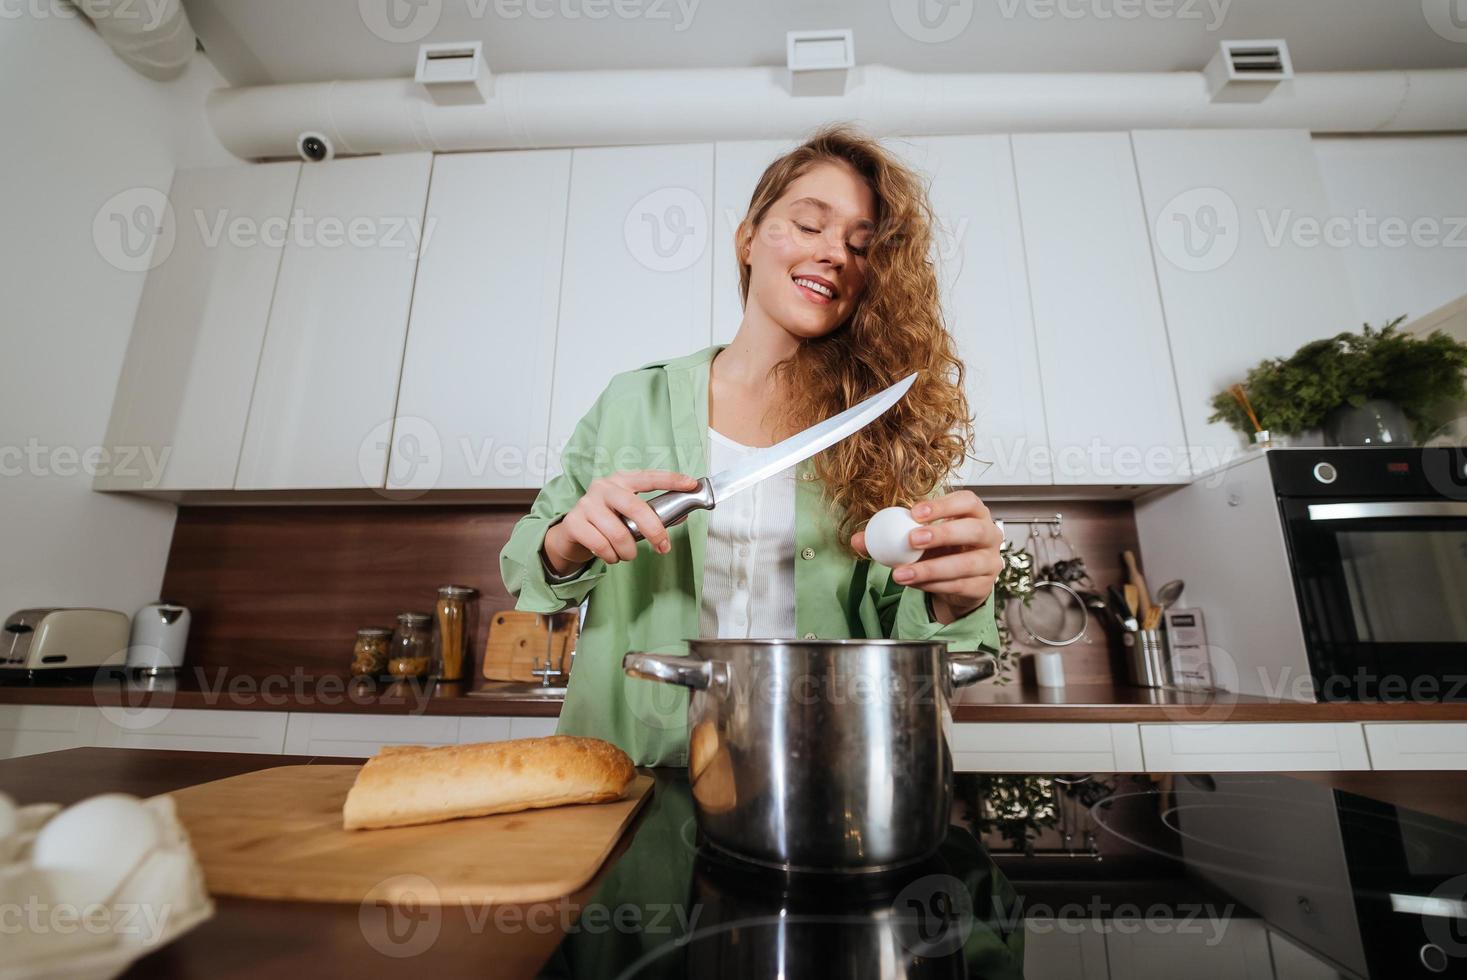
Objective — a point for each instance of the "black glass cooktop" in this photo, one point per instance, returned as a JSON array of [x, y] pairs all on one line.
[[1059, 877]]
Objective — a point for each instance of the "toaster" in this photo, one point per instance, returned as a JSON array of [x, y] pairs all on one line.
[[62, 644]]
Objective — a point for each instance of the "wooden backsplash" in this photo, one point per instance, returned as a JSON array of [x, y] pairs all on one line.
[[275, 588], [272, 589], [1099, 531]]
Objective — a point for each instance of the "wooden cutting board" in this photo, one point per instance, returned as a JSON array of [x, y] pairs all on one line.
[[276, 834], [517, 646]]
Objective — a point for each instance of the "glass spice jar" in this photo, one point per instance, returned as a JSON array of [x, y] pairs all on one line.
[[369, 655], [411, 653], [455, 615]]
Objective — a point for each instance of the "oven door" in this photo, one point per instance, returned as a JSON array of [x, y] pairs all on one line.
[[1382, 590]]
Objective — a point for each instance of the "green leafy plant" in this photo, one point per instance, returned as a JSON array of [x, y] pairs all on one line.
[[1016, 581], [1422, 375], [1018, 808]]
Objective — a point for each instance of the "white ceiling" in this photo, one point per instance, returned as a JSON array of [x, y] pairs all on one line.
[[264, 41]]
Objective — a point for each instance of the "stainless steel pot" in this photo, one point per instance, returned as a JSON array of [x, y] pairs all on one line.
[[822, 755]]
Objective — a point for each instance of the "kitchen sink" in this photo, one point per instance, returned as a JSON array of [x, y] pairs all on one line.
[[517, 691]]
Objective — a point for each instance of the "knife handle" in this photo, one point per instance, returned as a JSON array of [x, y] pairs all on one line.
[[674, 506]]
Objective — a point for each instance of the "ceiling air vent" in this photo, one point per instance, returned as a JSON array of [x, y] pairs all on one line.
[[820, 62], [455, 73], [1247, 71]]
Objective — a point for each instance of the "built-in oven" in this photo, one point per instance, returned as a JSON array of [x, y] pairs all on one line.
[[1377, 547]]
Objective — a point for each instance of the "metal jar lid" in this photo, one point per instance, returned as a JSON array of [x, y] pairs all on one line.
[[457, 591], [374, 631], [413, 618]]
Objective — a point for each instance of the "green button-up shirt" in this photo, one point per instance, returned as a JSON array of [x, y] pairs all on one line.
[[656, 417]]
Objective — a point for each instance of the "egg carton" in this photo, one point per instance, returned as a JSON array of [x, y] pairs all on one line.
[[45, 935]]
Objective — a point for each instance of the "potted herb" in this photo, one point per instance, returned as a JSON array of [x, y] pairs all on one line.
[[1374, 387]]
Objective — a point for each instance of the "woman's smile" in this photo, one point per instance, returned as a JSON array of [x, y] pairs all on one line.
[[816, 289]]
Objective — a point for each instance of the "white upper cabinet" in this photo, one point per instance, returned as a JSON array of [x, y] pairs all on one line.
[[635, 284], [736, 171], [324, 398], [179, 414], [985, 297], [473, 408], [1243, 263], [1109, 396]]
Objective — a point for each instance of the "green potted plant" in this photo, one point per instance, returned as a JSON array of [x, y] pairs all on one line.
[[1371, 388]]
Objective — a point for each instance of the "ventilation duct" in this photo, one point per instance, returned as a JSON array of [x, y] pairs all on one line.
[[601, 108]]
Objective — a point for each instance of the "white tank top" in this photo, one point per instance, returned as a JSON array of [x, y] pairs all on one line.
[[749, 557]]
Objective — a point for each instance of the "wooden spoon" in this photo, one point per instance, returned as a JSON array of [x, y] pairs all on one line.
[[1139, 581]]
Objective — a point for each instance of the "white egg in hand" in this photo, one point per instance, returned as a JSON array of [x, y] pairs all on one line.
[[92, 847], [886, 536]]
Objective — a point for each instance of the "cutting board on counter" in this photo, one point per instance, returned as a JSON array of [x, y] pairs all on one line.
[[276, 834], [519, 643]]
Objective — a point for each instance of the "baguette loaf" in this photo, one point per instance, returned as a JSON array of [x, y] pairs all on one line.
[[411, 784]]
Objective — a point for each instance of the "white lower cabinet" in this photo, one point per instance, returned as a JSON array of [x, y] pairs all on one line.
[[192, 729], [1164, 949], [1141, 949], [29, 729], [359, 736], [1064, 949], [483, 729], [1293, 962], [1037, 747], [1417, 745], [1247, 747], [499, 729], [1027, 747]]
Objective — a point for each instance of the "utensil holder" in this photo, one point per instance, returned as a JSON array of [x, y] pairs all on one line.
[[1146, 657]]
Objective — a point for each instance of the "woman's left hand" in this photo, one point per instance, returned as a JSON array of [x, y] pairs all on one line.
[[961, 559]]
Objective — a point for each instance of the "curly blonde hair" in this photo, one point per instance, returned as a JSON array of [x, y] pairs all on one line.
[[897, 328]]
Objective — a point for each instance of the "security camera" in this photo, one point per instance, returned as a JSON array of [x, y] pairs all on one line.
[[314, 147]]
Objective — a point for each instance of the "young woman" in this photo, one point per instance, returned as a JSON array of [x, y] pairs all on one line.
[[840, 301]]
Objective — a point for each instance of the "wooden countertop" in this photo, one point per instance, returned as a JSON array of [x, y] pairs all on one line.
[[1123, 703], [987, 702], [286, 692]]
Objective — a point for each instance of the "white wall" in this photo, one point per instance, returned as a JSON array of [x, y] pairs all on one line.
[[1404, 178], [78, 127]]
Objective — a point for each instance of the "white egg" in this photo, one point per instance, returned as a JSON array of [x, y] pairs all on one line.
[[93, 846], [886, 536]]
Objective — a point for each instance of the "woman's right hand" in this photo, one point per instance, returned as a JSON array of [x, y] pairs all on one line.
[[594, 527]]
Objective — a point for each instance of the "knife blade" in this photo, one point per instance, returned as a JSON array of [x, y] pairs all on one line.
[[673, 506]]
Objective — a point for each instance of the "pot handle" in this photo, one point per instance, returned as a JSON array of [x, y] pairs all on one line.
[[669, 669], [965, 669]]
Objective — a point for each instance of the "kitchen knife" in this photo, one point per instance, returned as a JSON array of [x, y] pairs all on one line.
[[1121, 610], [673, 506]]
